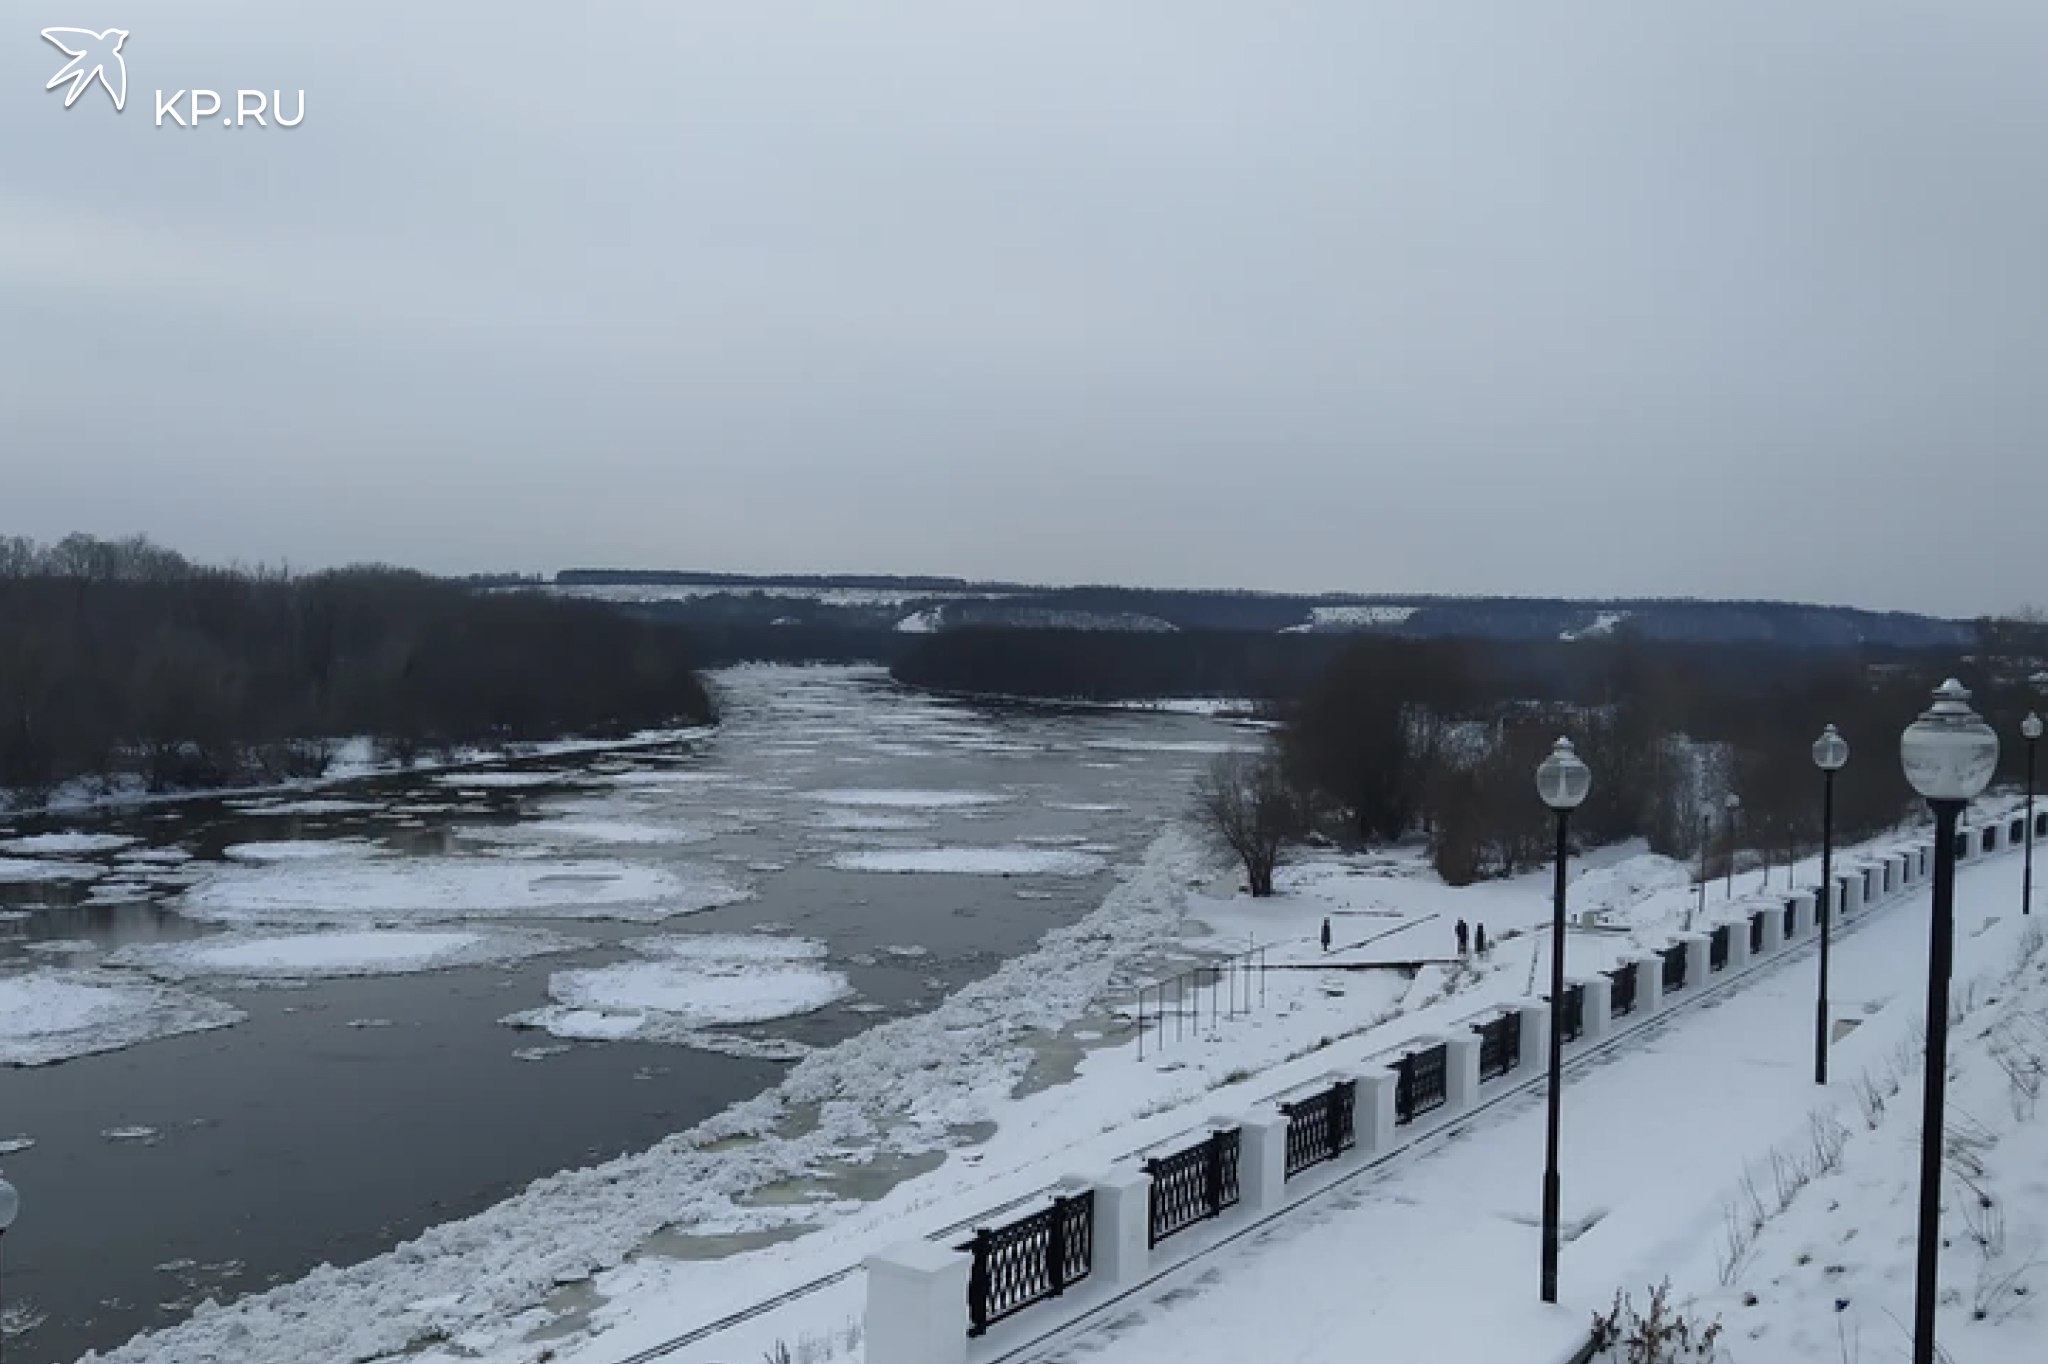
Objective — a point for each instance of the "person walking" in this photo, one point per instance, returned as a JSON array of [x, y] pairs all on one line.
[[1326, 935], [1464, 939], [1479, 939]]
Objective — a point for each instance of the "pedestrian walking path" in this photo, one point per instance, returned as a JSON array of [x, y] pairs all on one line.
[[1433, 1254]]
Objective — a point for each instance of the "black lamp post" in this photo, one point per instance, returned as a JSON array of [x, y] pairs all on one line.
[[1562, 780], [1830, 754], [10, 1204], [1949, 754], [1734, 805], [2030, 730], [1706, 842]]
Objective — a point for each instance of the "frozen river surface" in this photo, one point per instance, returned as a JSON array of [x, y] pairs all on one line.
[[240, 1039]]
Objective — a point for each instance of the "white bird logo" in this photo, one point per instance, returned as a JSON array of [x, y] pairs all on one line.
[[93, 56]]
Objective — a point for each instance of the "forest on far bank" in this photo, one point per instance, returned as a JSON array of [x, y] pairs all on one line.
[[1382, 737], [124, 661]]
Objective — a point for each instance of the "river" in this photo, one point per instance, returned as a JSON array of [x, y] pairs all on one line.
[[341, 1116]]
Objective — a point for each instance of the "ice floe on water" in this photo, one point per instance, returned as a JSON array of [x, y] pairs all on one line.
[[862, 821], [14, 1146], [61, 947], [347, 952], [37, 844], [141, 1134], [584, 830], [1085, 807], [1171, 746], [21, 870], [502, 781], [687, 983], [658, 777], [305, 807], [886, 798], [50, 1014], [1019, 860], [540, 1053], [406, 890], [156, 856], [301, 850]]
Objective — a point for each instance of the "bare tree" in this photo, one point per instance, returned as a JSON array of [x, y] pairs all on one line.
[[1247, 810]]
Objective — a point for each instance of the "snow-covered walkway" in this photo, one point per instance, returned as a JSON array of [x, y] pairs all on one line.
[[1434, 1254]]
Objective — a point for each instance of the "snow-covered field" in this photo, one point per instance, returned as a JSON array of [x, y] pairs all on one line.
[[50, 1015], [1825, 1270], [1325, 618]]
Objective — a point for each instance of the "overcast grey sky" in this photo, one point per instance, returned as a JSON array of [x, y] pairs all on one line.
[[1741, 298]]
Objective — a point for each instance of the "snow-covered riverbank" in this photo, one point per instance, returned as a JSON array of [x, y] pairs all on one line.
[[1008, 1084], [354, 760]]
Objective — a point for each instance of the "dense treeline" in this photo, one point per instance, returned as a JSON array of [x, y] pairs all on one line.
[[1444, 738], [122, 659], [841, 601]]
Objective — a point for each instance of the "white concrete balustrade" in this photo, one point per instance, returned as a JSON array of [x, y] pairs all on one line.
[[917, 1309]]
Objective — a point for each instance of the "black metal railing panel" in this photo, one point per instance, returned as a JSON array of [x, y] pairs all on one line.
[[1717, 948], [1030, 1260], [1320, 1127], [1756, 933], [1674, 967], [1621, 995], [1500, 1045], [1423, 1083], [1194, 1185], [1791, 920], [1571, 1013]]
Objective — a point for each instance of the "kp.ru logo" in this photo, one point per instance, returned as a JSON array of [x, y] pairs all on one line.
[[94, 56], [98, 57]]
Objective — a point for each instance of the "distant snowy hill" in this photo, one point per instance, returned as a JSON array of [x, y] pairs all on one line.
[[919, 605]]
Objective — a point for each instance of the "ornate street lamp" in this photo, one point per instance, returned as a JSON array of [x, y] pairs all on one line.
[[1563, 781], [1830, 755], [1949, 754], [2030, 730]]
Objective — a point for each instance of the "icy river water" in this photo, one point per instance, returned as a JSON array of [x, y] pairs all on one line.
[[282, 1018]]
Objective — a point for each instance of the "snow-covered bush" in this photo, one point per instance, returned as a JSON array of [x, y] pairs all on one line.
[[1662, 1335]]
